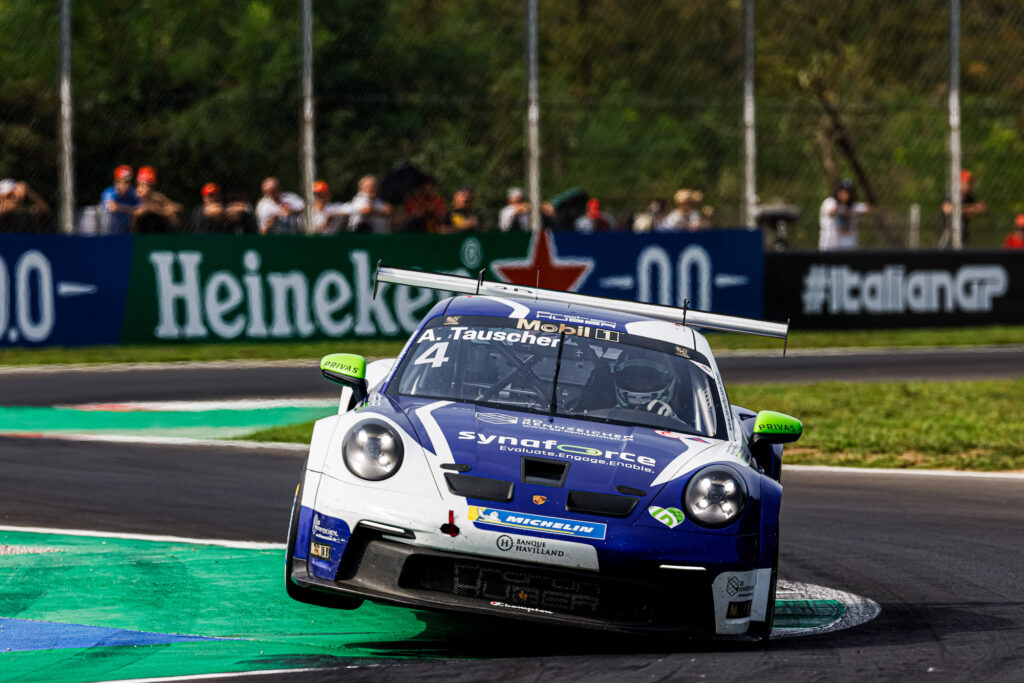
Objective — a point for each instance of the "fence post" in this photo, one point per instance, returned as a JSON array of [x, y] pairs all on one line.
[[532, 116], [67, 186], [308, 149], [955, 159], [749, 133]]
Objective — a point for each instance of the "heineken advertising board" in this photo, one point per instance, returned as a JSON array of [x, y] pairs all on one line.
[[203, 288]]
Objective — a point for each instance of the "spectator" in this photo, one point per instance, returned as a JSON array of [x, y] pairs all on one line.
[[647, 220], [210, 216], [686, 215], [118, 203], [462, 217], [278, 212], [594, 220], [838, 218], [1015, 240], [327, 216], [155, 212], [515, 215], [21, 208], [367, 212], [425, 210], [969, 206]]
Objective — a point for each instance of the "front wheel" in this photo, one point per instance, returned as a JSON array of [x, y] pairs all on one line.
[[301, 593]]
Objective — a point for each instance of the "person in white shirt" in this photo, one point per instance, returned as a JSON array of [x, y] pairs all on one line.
[[838, 218], [327, 215], [367, 213], [515, 215], [278, 212]]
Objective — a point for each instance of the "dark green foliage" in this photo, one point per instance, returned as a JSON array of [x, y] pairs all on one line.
[[639, 97]]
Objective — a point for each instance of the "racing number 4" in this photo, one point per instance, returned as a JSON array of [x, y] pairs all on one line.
[[434, 356]]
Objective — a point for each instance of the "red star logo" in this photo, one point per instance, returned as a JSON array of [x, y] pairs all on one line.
[[555, 273]]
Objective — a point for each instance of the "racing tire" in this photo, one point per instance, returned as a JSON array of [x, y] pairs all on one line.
[[301, 593], [762, 630]]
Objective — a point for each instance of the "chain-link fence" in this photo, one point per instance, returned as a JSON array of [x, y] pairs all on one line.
[[639, 98]]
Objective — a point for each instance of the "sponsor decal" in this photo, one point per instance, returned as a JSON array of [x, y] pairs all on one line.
[[669, 435], [320, 550], [527, 546], [564, 328], [778, 427], [548, 525], [497, 418], [565, 451], [327, 541], [548, 426], [451, 320], [841, 290], [540, 500], [697, 439], [707, 369], [495, 603], [575, 319], [342, 367], [670, 517], [735, 586], [683, 352]]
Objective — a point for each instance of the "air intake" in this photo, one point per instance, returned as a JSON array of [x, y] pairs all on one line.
[[544, 472], [479, 487], [604, 504]]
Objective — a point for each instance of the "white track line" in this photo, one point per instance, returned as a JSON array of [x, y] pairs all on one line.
[[211, 677], [240, 545], [918, 473], [202, 406], [165, 441], [871, 351]]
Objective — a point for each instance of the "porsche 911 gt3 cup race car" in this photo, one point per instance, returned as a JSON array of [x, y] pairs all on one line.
[[547, 456]]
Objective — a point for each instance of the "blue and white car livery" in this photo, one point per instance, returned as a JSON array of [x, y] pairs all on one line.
[[546, 456]]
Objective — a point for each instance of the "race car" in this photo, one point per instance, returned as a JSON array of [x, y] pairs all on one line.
[[546, 456]]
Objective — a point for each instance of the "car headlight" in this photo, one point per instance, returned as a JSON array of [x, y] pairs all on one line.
[[715, 496], [372, 451]]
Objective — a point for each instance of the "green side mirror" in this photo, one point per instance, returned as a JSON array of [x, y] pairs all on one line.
[[773, 427], [348, 370]]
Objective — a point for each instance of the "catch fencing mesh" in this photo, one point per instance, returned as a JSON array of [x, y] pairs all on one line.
[[639, 99]]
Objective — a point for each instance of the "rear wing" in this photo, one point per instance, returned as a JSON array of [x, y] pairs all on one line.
[[685, 316]]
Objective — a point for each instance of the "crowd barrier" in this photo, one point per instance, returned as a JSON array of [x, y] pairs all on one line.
[[72, 291]]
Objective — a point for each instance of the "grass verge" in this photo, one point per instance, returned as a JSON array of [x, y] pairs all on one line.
[[798, 339], [928, 425]]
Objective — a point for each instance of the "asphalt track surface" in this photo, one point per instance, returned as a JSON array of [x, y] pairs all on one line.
[[941, 555], [35, 387]]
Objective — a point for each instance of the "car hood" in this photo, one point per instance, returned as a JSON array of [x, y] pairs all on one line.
[[600, 457]]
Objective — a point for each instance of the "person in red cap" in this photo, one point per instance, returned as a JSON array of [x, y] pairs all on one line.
[[155, 213], [327, 215], [118, 203], [970, 206], [594, 220], [1015, 240], [209, 216]]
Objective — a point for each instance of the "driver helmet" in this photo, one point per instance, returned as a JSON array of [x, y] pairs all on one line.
[[640, 379]]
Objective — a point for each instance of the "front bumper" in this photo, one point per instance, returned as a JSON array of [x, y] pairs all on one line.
[[649, 600]]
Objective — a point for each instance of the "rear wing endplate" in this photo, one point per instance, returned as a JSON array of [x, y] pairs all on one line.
[[685, 316]]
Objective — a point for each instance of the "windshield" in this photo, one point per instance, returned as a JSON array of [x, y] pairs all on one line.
[[581, 372]]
